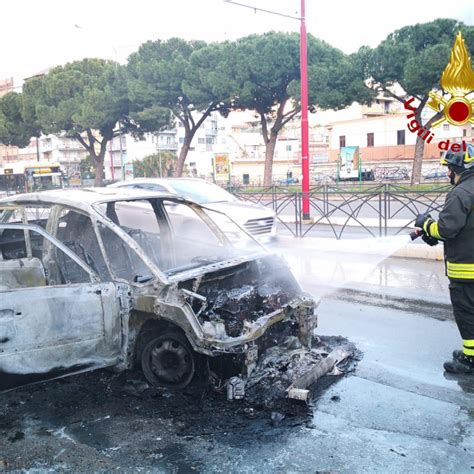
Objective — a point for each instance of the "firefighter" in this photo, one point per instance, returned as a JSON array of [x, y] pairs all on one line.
[[455, 227]]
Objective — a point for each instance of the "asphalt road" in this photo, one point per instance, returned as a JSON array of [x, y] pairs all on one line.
[[398, 412]]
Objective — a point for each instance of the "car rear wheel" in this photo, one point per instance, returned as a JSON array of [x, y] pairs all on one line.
[[168, 361]]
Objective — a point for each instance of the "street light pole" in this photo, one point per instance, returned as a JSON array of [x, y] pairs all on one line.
[[304, 97], [304, 112]]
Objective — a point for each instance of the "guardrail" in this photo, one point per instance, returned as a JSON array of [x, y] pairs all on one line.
[[349, 210]]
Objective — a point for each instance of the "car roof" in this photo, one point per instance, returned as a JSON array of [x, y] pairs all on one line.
[[83, 199], [158, 181]]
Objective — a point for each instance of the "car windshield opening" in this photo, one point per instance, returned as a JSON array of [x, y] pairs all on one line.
[[178, 236]]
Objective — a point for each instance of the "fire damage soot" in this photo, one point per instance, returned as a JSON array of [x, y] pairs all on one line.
[[279, 366]]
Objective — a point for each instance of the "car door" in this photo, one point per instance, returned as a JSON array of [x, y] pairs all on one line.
[[56, 316]]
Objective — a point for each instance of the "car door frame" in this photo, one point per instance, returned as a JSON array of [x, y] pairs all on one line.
[[42, 350]]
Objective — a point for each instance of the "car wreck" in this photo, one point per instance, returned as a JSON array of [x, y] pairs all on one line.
[[119, 278]]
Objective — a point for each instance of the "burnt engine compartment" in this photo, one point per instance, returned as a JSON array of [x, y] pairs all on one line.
[[243, 293]]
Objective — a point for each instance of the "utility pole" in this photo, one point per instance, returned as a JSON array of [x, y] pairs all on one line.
[[122, 166], [304, 112], [304, 96], [37, 150], [158, 147]]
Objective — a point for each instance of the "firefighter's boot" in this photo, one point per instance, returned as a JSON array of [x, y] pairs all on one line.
[[461, 364], [458, 353]]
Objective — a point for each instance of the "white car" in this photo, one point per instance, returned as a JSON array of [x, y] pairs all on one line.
[[256, 219], [103, 277]]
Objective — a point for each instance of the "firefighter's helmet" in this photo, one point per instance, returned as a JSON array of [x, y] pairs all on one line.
[[459, 161]]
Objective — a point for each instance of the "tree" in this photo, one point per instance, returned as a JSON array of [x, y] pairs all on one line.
[[13, 129], [177, 75], [87, 168], [156, 165], [414, 57], [265, 72], [88, 100]]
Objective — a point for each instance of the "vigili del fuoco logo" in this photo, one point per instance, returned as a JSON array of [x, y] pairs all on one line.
[[456, 106]]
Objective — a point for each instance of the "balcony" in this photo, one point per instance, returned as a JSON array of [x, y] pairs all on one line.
[[171, 146]]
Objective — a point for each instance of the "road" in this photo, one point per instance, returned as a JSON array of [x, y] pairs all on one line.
[[398, 412]]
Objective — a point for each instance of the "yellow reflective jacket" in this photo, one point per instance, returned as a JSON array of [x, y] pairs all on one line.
[[455, 226]]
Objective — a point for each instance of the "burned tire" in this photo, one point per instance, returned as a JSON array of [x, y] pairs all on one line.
[[168, 361]]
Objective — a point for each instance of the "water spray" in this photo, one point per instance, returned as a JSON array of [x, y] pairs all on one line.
[[331, 264]]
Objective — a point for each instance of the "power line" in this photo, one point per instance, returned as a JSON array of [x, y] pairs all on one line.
[[263, 10]]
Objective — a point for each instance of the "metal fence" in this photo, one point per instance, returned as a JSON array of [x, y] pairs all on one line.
[[348, 211]]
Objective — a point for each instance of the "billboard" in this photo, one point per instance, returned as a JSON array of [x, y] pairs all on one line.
[[221, 166]]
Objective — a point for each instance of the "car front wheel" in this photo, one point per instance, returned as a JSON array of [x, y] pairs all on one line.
[[168, 361]]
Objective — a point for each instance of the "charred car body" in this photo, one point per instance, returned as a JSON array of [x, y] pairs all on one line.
[[114, 278]]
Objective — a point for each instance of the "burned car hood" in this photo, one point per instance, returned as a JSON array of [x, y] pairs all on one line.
[[230, 299]]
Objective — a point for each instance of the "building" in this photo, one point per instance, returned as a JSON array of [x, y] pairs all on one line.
[[124, 149], [386, 140], [6, 85]]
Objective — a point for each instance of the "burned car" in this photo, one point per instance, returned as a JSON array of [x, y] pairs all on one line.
[[119, 278]]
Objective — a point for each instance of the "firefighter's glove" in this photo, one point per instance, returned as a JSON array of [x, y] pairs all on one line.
[[431, 241], [421, 220]]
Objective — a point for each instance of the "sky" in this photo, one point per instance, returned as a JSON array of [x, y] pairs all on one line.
[[36, 35]]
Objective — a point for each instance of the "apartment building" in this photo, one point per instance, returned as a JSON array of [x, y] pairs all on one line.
[[387, 140]]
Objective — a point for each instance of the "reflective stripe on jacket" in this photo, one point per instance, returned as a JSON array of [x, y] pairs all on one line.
[[455, 226]]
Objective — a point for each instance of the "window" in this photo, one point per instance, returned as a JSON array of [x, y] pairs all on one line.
[[29, 259], [400, 137], [210, 140], [26, 215], [370, 139], [464, 132], [446, 127], [149, 186], [288, 147], [342, 141], [76, 231], [181, 140], [139, 221], [201, 141], [193, 241]]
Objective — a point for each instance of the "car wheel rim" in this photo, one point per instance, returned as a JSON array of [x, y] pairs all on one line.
[[171, 363]]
